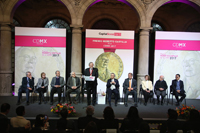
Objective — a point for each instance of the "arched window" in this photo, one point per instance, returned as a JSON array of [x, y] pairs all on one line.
[[105, 24], [195, 27], [156, 27], [57, 23], [15, 24]]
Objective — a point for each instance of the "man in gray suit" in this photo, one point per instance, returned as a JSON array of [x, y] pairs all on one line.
[[57, 85], [130, 88], [73, 85]]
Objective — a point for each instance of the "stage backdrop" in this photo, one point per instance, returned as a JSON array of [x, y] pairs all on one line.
[[179, 53], [111, 51], [39, 50]]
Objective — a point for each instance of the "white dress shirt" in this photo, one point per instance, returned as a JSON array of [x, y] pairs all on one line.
[[19, 121], [112, 86]]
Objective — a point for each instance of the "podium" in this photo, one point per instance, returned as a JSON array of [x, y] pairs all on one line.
[[89, 78]]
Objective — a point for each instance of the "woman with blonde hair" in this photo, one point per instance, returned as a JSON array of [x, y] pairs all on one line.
[[42, 86], [147, 88]]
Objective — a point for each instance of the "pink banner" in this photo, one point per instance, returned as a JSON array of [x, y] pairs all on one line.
[[177, 45], [40, 41], [109, 43]]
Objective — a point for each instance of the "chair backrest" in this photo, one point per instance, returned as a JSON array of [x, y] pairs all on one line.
[[171, 89]]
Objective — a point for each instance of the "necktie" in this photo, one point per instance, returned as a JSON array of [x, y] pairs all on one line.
[[129, 84]]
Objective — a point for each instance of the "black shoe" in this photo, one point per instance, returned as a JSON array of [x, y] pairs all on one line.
[[115, 104], [158, 103], [27, 103], [45, 102], [18, 103], [51, 103], [161, 103], [110, 105], [39, 103], [126, 105], [93, 104], [145, 104], [135, 105]]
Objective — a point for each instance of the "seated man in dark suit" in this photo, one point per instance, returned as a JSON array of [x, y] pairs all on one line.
[[83, 121], [130, 88], [112, 87], [160, 89], [73, 85], [27, 86], [57, 84], [5, 109], [178, 89]]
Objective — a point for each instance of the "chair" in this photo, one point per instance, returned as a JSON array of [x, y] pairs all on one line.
[[30, 92], [141, 93], [123, 98], [62, 94], [172, 93], [165, 95], [80, 91], [112, 96], [36, 91]]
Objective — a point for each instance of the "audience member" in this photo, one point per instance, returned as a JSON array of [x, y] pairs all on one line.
[[5, 109], [63, 123], [4, 125], [91, 128], [144, 127], [19, 120], [132, 120], [109, 121], [41, 123], [83, 121], [172, 124], [193, 122]]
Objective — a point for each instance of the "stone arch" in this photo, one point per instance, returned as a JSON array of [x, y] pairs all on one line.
[[140, 9], [45, 19], [153, 7], [105, 16], [10, 6]]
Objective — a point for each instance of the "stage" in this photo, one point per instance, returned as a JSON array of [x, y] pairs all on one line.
[[149, 112]]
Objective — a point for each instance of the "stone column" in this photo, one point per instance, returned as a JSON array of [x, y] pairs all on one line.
[[76, 59], [143, 61], [6, 74]]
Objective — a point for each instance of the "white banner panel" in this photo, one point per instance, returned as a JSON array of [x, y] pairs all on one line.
[[39, 50], [178, 53], [112, 51]]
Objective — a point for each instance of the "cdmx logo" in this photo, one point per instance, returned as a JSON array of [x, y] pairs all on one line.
[[39, 41], [179, 45]]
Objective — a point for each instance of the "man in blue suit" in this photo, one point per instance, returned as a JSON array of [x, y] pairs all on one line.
[[112, 87], [178, 89], [130, 88], [27, 86]]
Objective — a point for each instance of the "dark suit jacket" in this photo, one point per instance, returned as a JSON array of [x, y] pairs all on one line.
[[83, 121], [70, 83], [128, 124], [174, 84], [62, 82], [160, 84], [126, 84], [24, 83], [108, 85], [94, 73]]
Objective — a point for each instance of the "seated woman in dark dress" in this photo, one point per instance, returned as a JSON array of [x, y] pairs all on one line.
[[109, 121], [132, 120]]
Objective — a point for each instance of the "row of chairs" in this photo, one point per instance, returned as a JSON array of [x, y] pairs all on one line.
[[140, 96], [84, 91]]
